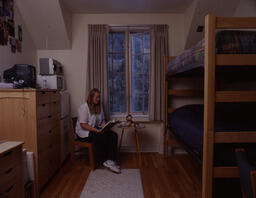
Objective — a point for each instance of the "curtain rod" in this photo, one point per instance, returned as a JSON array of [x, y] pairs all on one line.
[[129, 26]]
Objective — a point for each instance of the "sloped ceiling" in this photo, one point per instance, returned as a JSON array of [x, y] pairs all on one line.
[[48, 21], [127, 6], [195, 15]]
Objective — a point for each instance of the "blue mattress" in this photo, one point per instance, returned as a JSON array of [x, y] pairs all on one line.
[[227, 42], [186, 123]]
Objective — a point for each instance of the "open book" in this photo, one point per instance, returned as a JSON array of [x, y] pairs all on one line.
[[109, 125]]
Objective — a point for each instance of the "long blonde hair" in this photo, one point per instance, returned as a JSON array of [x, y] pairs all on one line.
[[94, 108]]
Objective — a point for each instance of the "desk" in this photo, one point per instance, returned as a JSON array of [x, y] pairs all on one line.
[[134, 127]]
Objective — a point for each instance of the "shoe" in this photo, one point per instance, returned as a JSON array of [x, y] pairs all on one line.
[[112, 166], [111, 162]]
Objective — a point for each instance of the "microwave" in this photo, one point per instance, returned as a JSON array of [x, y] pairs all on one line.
[[50, 66], [51, 82]]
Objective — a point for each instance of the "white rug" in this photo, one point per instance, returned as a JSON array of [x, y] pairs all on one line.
[[102, 183]]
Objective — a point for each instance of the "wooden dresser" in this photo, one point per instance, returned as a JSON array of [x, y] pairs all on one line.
[[33, 116], [11, 170]]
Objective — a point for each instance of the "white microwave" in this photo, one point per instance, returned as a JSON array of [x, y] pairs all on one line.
[[50, 66], [51, 82]]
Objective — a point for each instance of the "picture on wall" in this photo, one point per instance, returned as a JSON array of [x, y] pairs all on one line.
[[18, 46], [1, 10], [1, 22], [13, 44], [20, 32], [8, 9], [11, 28]]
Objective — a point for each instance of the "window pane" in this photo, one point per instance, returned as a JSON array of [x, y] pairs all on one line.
[[117, 42], [140, 64], [116, 73], [136, 42]]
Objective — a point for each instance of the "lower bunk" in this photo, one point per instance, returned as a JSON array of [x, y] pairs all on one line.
[[186, 125]]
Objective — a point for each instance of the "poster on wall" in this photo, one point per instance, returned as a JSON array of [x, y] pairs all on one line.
[[12, 42], [8, 9], [20, 33], [1, 22], [18, 46], [11, 28]]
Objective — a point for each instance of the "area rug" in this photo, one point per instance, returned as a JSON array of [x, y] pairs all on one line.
[[102, 183]]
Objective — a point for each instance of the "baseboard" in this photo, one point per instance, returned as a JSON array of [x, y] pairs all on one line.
[[177, 151], [146, 148]]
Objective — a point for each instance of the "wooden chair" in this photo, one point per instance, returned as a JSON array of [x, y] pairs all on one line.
[[75, 143], [247, 174]]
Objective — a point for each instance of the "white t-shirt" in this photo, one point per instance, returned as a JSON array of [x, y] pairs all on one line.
[[84, 116]]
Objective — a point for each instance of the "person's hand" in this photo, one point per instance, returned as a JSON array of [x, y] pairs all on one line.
[[102, 124], [97, 130]]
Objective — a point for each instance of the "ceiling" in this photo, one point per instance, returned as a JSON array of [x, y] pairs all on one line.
[[127, 6]]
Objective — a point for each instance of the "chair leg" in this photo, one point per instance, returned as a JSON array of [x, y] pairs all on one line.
[[72, 154], [91, 158]]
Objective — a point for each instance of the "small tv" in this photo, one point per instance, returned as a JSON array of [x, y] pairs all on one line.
[[22, 75]]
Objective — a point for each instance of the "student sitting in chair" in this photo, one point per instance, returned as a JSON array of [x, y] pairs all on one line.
[[90, 120]]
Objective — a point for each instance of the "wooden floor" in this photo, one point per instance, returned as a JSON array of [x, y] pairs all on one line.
[[174, 177]]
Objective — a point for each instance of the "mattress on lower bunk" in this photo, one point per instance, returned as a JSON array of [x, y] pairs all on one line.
[[187, 125], [227, 42]]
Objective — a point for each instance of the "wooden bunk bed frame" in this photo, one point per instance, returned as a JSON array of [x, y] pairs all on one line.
[[211, 96]]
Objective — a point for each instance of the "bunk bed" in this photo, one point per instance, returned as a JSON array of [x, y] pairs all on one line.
[[212, 130]]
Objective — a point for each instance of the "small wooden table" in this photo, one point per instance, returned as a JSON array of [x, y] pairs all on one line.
[[135, 128]]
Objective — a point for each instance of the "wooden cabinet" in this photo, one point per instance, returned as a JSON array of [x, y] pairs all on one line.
[[33, 116], [11, 170]]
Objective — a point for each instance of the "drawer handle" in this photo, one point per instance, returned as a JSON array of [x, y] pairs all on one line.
[[50, 131], [43, 92], [8, 171], [54, 102], [8, 153], [43, 105], [49, 116], [9, 189]]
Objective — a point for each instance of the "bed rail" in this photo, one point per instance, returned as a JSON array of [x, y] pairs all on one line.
[[211, 96]]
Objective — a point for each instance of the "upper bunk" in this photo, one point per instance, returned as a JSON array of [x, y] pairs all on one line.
[[191, 62]]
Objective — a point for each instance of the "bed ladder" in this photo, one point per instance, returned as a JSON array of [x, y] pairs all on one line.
[[211, 96]]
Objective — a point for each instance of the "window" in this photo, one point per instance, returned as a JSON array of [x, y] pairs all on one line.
[[128, 71]]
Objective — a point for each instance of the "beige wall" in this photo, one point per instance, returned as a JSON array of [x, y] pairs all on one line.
[[28, 55], [246, 8], [75, 62]]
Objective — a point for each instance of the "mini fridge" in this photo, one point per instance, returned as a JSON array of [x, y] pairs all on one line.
[[65, 140]]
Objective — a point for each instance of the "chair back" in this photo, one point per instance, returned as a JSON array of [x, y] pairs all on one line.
[[245, 172], [72, 124]]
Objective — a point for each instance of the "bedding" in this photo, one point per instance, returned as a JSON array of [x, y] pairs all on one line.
[[186, 123], [227, 42]]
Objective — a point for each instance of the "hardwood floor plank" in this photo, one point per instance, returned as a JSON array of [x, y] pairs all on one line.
[[174, 177]]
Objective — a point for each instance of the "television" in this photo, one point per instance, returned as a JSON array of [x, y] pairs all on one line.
[[22, 75]]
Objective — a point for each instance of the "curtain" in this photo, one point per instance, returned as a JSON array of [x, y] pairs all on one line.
[[97, 70], [159, 36]]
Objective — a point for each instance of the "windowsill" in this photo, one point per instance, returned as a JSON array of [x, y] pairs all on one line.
[[138, 118]]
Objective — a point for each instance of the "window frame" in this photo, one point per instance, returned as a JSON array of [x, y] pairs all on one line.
[[127, 30]]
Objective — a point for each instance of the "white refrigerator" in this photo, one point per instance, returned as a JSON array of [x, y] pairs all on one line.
[[65, 140]]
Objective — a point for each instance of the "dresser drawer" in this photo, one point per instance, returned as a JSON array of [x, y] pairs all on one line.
[[55, 96], [43, 111], [44, 126], [43, 97], [48, 139], [48, 164], [10, 159], [55, 120], [11, 173], [55, 107], [11, 190]]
